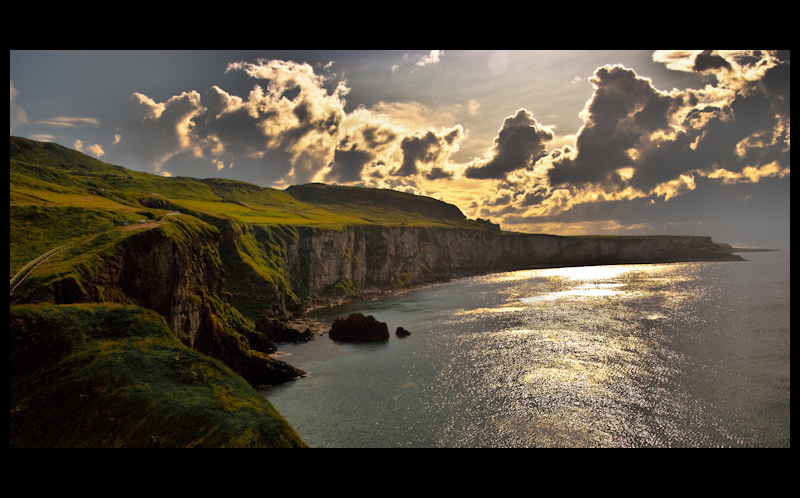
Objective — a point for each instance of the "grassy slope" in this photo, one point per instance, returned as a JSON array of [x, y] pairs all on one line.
[[58, 195], [124, 380]]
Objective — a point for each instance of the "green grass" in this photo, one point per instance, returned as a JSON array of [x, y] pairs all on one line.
[[101, 375], [50, 175]]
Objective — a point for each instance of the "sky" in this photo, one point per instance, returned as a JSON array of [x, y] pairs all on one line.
[[569, 142]]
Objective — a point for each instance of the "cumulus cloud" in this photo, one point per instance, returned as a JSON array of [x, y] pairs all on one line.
[[292, 111], [154, 132], [94, 149], [427, 150], [419, 61], [432, 57], [519, 143], [636, 143], [641, 143]]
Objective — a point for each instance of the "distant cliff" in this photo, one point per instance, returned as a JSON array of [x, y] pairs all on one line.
[[317, 263]]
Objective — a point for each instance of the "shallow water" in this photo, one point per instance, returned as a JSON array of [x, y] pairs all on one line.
[[665, 355]]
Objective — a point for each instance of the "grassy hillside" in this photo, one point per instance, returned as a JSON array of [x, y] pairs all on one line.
[[124, 380], [58, 195]]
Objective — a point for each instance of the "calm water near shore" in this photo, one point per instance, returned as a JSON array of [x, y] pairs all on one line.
[[665, 355]]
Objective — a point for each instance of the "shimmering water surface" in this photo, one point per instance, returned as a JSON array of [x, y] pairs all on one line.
[[667, 355]]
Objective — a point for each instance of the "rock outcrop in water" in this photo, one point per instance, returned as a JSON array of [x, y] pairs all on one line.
[[359, 328]]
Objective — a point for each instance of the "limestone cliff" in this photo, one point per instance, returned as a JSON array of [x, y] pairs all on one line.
[[212, 277], [317, 263]]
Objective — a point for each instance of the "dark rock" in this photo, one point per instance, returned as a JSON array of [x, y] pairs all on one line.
[[401, 332], [359, 328]]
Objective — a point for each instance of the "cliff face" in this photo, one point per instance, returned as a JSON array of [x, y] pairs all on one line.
[[177, 271], [319, 263], [207, 277]]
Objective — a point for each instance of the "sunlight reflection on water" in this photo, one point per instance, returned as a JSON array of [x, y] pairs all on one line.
[[624, 355]]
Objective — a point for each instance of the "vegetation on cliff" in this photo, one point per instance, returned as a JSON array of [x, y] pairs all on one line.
[[104, 375]]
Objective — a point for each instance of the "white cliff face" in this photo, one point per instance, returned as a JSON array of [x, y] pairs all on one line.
[[361, 257], [314, 263]]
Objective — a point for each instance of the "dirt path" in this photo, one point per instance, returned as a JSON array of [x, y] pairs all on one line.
[[28, 268]]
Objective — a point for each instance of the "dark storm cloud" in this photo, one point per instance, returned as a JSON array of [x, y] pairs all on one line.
[[643, 151], [619, 121], [520, 142], [710, 60], [427, 149], [347, 165], [659, 136]]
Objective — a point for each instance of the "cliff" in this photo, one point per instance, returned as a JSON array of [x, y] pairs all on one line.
[[211, 259], [318, 264], [106, 375], [174, 269]]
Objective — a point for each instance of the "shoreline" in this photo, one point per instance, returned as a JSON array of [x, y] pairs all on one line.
[[754, 249]]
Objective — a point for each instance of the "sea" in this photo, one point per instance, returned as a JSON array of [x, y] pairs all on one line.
[[682, 355]]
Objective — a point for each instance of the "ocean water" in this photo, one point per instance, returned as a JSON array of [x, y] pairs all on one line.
[[663, 355]]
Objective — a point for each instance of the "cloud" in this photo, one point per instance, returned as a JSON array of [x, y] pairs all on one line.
[[625, 116], [473, 107], [662, 136], [95, 149], [69, 121], [429, 149], [291, 112], [639, 145], [19, 117], [432, 57], [155, 132], [519, 143]]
